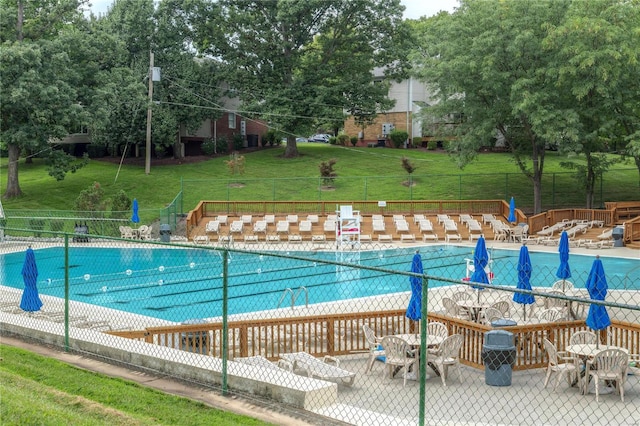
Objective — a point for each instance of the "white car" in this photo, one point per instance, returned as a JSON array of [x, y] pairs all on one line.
[[320, 137]]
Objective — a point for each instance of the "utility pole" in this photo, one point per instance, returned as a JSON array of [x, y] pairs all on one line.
[[147, 160]]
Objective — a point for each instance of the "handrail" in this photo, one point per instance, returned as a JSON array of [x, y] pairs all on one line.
[[306, 295], [284, 294], [294, 296]]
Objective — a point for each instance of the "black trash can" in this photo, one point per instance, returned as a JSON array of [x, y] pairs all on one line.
[[382, 143], [498, 356], [195, 341], [165, 233], [617, 234], [82, 230]]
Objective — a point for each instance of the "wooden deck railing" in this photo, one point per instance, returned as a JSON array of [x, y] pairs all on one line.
[[259, 208], [342, 334]]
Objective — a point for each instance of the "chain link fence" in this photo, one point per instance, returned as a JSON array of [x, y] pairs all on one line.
[[326, 330], [559, 190]]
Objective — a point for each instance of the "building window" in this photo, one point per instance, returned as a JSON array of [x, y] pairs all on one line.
[[232, 120]]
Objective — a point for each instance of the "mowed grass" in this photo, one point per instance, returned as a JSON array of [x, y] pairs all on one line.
[[363, 174], [41, 391]]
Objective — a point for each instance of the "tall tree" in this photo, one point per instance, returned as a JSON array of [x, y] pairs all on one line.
[[38, 80], [486, 64], [595, 51], [299, 64]]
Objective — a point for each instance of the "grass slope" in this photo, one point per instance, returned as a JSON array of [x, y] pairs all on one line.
[[43, 391]]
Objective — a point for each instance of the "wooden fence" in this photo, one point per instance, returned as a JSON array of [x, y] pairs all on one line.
[[341, 334]]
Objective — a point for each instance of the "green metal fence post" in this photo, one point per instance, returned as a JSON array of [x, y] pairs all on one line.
[[66, 292], [225, 326], [423, 350]]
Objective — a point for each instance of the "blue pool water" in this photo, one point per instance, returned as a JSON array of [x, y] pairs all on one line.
[[181, 284]]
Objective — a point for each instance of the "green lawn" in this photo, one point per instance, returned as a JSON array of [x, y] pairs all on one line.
[[41, 391], [363, 173]]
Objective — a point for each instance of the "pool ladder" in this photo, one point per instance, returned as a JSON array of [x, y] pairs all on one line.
[[294, 296]]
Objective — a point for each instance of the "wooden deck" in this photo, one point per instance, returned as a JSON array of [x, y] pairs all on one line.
[[366, 230]]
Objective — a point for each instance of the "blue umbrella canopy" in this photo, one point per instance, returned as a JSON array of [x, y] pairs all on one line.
[[480, 261], [135, 218], [524, 277], [564, 271], [512, 210], [30, 299], [415, 303], [598, 318]]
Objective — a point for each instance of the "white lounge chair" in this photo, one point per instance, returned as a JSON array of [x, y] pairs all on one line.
[[282, 227], [223, 218], [292, 218], [305, 226], [375, 217], [398, 217], [212, 226], [246, 219], [236, 226], [425, 226], [442, 218], [260, 227], [548, 231], [606, 235], [465, 218], [269, 218], [450, 226], [313, 218], [326, 369], [329, 225], [487, 218], [402, 226], [378, 226], [418, 217], [581, 227]]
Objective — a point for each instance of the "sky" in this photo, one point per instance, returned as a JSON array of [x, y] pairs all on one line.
[[415, 8]]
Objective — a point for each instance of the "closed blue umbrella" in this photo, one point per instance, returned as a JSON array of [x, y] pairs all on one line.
[[480, 261], [415, 303], [512, 210], [564, 271], [30, 299], [598, 318], [524, 277], [135, 218]]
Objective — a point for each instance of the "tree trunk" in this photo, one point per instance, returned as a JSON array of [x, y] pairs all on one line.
[[13, 185], [177, 149], [292, 147]]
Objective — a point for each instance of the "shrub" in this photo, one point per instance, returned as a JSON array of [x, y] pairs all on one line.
[[120, 205], [354, 140], [327, 173], [57, 225], [398, 137], [343, 139], [222, 146], [209, 146], [417, 142], [91, 199], [270, 137], [238, 141], [432, 145], [333, 140], [407, 166], [37, 225]]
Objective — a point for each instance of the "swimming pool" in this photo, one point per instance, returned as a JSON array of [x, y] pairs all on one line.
[[179, 284]]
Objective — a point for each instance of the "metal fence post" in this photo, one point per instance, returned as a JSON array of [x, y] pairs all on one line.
[[225, 326], [66, 292]]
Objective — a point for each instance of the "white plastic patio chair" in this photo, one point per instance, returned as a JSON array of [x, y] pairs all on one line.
[[398, 353], [610, 365], [449, 355], [436, 329], [561, 364], [375, 346], [583, 338]]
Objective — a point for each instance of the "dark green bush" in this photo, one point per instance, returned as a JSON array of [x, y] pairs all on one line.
[[209, 146], [238, 141], [222, 146], [57, 225], [333, 140], [432, 145], [417, 142], [398, 137], [343, 139], [37, 225], [354, 140]]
